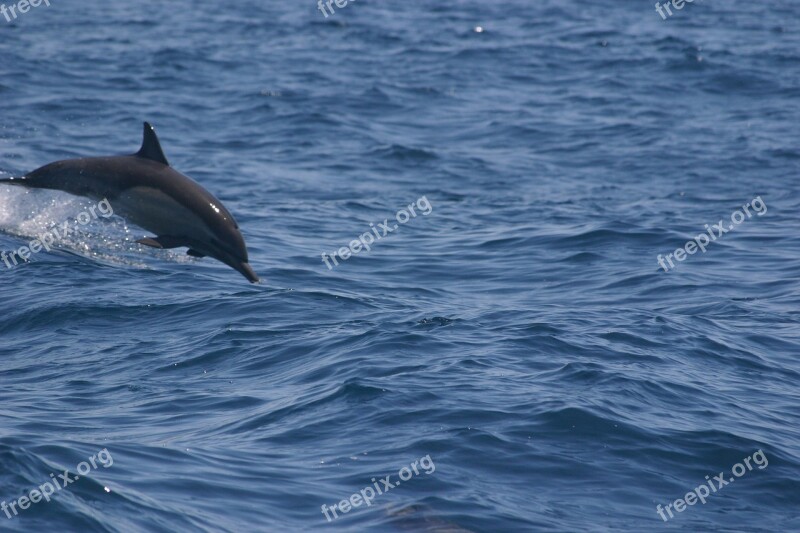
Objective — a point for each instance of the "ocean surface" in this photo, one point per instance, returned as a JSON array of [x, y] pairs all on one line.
[[515, 345]]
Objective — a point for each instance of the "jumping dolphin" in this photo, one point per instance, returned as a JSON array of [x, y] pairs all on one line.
[[143, 188]]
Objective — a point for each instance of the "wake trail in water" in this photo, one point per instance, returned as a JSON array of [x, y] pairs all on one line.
[[78, 226]]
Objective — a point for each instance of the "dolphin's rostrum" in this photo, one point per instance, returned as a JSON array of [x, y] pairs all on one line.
[[144, 189]]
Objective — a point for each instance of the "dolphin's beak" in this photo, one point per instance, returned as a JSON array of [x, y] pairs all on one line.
[[243, 267], [246, 270]]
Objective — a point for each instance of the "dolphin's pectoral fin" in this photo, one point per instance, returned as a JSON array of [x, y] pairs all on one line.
[[151, 148], [195, 253], [147, 241], [165, 241]]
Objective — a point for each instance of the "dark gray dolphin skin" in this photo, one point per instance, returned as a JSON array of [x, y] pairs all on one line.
[[143, 188]]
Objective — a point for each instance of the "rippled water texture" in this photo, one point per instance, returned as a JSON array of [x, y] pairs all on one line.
[[520, 339]]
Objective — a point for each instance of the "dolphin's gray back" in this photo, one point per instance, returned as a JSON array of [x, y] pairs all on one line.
[[119, 177], [146, 190]]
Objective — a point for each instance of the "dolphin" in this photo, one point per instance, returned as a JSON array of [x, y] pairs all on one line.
[[146, 190]]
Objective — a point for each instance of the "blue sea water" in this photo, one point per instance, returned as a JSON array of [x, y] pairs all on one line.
[[521, 339]]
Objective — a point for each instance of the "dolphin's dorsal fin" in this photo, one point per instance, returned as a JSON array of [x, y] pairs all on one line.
[[151, 148]]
